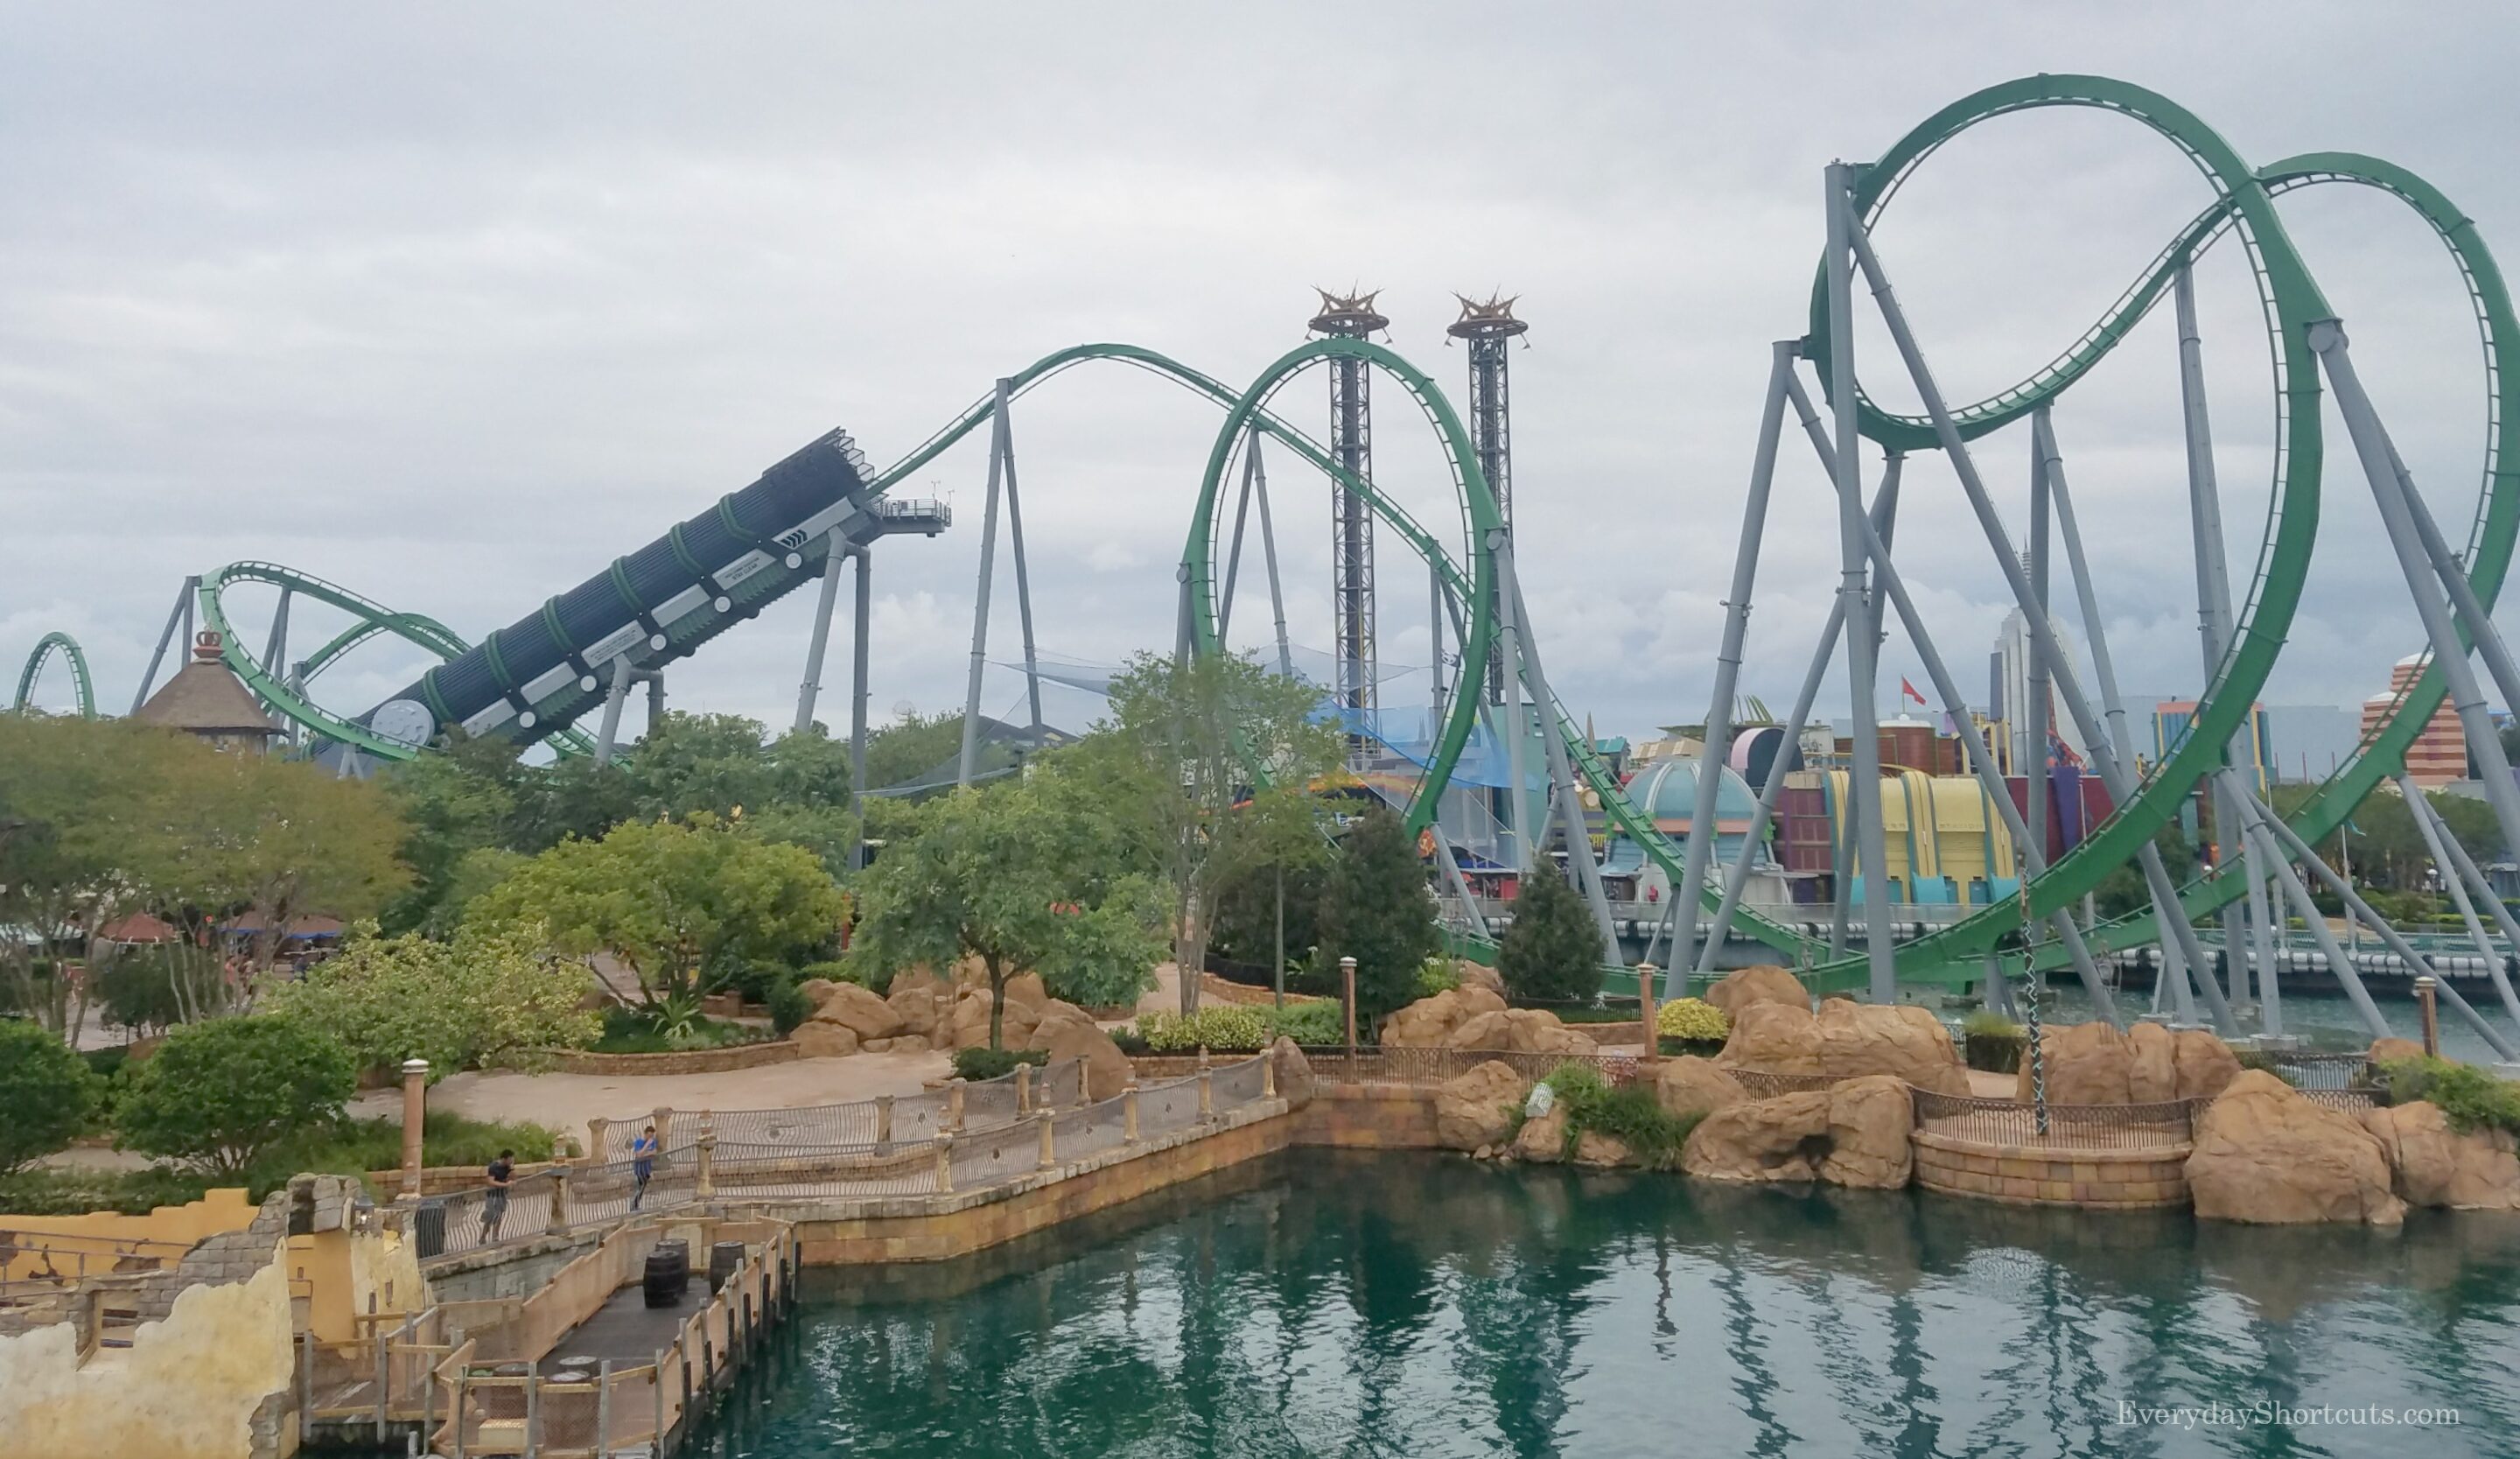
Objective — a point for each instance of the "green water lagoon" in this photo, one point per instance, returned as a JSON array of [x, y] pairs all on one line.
[[1359, 1304]]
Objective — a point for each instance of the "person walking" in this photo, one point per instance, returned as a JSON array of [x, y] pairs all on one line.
[[494, 1205], [642, 1164]]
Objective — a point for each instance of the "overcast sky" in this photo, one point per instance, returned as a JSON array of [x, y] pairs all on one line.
[[453, 304]]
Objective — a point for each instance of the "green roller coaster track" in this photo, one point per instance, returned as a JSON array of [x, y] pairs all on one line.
[[2290, 301], [45, 648]]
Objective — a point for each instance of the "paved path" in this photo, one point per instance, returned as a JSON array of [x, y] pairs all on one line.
[[563, 1103]]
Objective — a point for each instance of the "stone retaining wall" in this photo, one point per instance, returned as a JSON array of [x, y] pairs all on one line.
[[1370, 1117], [688, 1061], [2018, 1175]]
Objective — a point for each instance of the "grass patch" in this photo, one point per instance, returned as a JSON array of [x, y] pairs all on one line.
[[632, 1031], [1627, 1113]]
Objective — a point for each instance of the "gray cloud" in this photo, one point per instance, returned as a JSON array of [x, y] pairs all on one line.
[[453, 306]]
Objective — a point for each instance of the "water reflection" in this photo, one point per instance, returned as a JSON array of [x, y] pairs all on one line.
[[1357, 1305]]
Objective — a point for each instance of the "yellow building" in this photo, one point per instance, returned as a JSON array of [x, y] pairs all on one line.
[[1942, 839]]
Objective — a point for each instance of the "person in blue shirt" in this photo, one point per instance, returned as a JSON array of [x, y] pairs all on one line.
[[642, 1164]]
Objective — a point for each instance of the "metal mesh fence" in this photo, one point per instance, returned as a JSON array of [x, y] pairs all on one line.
[[2311, 1072], [1088, 1130], [1237, 1084], [490, 1215], [1760, 1084], [2005, 1122], [820, 1124], [984, 1157], [919, 1116], [1061, 1084], [756, 1173], [1168, 1106], [989, 1103], [599, 1193]]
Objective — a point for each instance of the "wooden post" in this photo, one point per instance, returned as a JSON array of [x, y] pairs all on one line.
[[603, 1408], [883, 1119], [1347, 996], [1024, 1088], [414, 1123], [1645, 1010], [463, 1375], [2431, 1015], [1049, 1138], [657, 1382], [1129, 1110], [944, 1164], [533, 1407]]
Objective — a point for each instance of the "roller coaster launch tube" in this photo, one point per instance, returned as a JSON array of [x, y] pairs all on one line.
[[656, 605]]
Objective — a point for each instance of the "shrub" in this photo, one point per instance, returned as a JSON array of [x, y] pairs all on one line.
[[674, 1027], [1993, 1042], [1315, 1023], [851, 971], [1436, 975], [788, 1006], [1627, 1113], [356, 1146], [47, 1191], [978, 1063], [490, 996], [219, 1094], [1692, 1020], [1552, 948], [2471, 1098], [47, 1093], [1226, 1027]]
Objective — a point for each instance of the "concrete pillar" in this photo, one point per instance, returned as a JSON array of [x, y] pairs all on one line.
[[1206, 1094], [704, 1177], [415, 1121], [1049, 1123], [1347, 996], [2424, 986], [944, 1164], [558, 1223], [1129, 1111], [1024, 1088], [1645, 1009]]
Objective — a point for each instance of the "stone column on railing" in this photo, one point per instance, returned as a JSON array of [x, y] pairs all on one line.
[[559, 1220], [1024, 1088], [1347, 999], [705, 1170], [663, 1117], [2430, 1014], [1207, 1093], [1645, 1010], [414, 1123], [945, 1164], [953, 1105], [883, 1119], [1268, 1074], [599, 1139], [1129, 1110], [1049, 1123]]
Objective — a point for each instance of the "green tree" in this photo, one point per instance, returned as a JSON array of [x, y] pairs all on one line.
[[678, 901], [492, 994], [1017, 877], [219, 1094], [1377, 908], [47, 1090], [1552, 948], [1212, 762]]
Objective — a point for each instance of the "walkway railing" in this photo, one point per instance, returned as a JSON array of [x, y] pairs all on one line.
[[965, 1137]]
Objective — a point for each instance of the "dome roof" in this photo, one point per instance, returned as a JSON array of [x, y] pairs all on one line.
[[1666, 791]]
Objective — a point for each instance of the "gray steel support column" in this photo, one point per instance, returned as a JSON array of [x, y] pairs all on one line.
[[1864, 779], [2257, 855], [2213, 598], [1435, 637], [2339, 962], [275, 650], [656, 679], [980, 609], [1269, 556], [1460, 884], [2036, 784], [1887, 580], [181, 613], [2354, 905], [1233, 552], [2489, 643], [2114, 775], [2398, 505], [1886, 502], [836, 554], [1023, 568], [611, 732], [1686, 897], [2461, 876], [1519, 795], [1579, 842], [860, 636], [2043, 432]]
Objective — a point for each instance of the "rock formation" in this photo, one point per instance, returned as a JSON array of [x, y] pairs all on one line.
[[1294, 1072], [1846, 1040], [1542, 1140], [1853, 1134], [2437, 1166], [2094, 1064], [1762, 983], [1690, 1085], [1779, 1038], [1429, 1021], [1523, 1030], [2265, 1154], [1477, 1108]]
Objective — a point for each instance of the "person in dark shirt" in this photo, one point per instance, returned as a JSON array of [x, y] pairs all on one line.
[[642, 1164], [494, 1205]]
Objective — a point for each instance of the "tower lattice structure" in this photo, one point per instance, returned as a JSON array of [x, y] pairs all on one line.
[[1352, 316], [1490, 329]]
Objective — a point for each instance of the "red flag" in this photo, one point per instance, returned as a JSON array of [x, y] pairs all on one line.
[[1909, 690]]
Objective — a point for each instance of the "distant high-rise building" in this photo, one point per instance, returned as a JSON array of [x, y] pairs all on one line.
[[2012, 695], [2439, 755], [2172, 717]]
